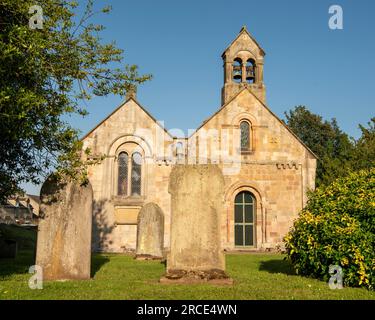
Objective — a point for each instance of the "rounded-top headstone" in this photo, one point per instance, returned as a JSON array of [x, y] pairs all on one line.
[[150, 232]]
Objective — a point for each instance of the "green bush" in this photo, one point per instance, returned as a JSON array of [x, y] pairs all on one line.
[[337, 227]]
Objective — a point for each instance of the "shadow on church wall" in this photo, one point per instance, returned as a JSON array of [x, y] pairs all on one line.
[[101, 227]]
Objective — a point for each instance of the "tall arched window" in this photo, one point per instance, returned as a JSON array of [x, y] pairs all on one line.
[[245, 135], [237, 70], [244, 219], [122, 174], [179, 148], [180, 153], [136, 175]]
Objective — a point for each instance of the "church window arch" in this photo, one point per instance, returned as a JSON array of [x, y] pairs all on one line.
[[245, 135], [136, 174], [123, 169], [244, 219], [129, 171]]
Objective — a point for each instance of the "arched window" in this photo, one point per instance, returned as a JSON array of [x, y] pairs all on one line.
[[122, 174], [244, 219], [245, 135], [180, 153], [136, 175], [250, 71], [237, 70], [179, 148]]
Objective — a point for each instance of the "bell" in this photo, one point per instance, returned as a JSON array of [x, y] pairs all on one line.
[[250, 76], [237, 72], [237, 76]]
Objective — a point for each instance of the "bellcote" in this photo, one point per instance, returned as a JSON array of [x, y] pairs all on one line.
[[243, 67]]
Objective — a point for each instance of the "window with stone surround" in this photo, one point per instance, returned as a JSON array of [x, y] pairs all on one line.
[[136, 174], [129, 172], [123, 169], [244, 219], [245, 129]]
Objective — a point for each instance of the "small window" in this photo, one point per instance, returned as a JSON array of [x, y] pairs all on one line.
[[245, 136], [180, 153], [179, 148], [136, 175], [122, 174]]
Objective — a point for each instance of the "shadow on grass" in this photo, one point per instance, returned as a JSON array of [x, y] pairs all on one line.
[[277, 266], [97, 261], [26, 242], [24, 260]]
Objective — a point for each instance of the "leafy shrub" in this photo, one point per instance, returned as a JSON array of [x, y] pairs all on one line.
[[337, 227]]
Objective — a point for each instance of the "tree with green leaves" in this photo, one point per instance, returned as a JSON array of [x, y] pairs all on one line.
[[47, 70], [364, 156], [337, 227], [333, 147]]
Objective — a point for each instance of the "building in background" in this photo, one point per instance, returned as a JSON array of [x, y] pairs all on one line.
[[21, 210]]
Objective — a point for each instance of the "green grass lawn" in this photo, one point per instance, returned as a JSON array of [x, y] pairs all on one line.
[[256, 276], [115, 276]]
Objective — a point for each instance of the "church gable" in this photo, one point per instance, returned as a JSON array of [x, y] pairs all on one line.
[[244, 42], [270, 139], [128, 120]]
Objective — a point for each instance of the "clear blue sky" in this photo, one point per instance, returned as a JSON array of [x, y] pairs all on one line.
[[181, 42]]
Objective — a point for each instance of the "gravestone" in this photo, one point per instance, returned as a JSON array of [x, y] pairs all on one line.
[[64, 230], [150, 232], [197, 193]]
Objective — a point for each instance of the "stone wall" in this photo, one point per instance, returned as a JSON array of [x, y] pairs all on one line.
[[278, 170], [129, 125]]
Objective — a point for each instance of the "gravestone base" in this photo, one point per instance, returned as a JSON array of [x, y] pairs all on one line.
[[147, 257], [212, 276]]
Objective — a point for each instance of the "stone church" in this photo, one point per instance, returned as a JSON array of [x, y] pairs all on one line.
[[267, 169]]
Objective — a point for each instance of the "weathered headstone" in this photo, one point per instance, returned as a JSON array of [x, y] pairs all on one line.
[[64, 231], [197, 193], [150, 232]]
